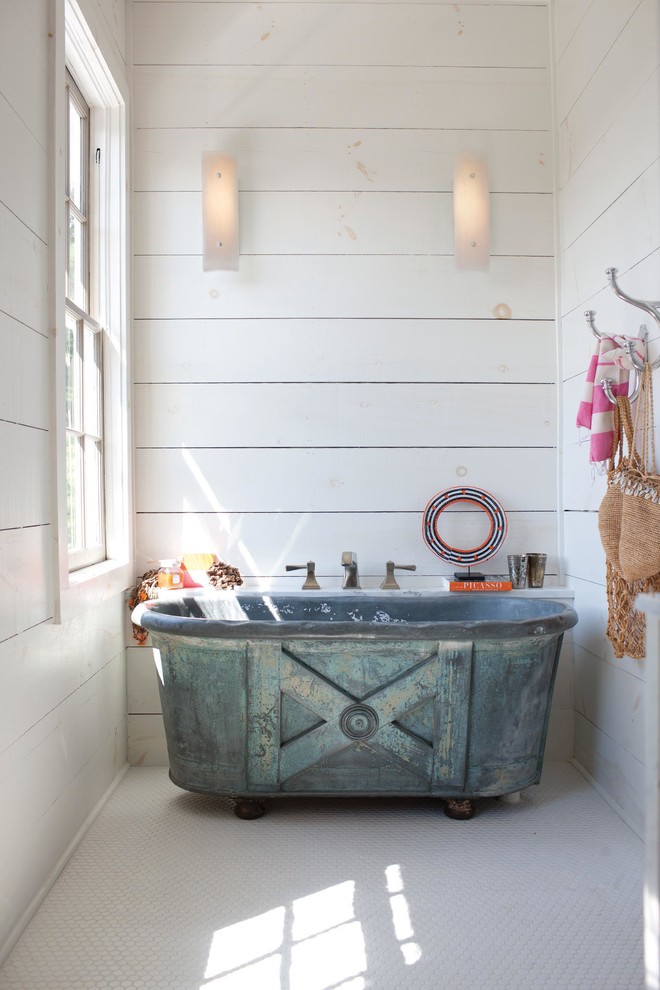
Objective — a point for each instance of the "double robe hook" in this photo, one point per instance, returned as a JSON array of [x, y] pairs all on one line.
[[652, 308]]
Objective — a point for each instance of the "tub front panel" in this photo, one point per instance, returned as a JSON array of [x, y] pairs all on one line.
[[358, 716]]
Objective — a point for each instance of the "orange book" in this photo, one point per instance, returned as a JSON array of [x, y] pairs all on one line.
[[478, 585]]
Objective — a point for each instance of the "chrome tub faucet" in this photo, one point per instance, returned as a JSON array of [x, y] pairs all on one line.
[[350, 565]]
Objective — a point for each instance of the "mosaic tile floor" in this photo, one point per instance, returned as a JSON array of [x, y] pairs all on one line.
[[169, 891]]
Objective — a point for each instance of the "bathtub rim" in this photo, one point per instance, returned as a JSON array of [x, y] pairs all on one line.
[[146, 614]]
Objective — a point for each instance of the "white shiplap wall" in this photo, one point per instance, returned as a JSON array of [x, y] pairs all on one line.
[[62, 688], [608, 109], [315, 400]]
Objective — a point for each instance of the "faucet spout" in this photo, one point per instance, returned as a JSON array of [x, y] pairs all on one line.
[[350, 565]]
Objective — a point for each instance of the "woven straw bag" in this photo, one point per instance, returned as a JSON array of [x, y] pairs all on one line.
[[611, 508], [639, 545], [626, 627]]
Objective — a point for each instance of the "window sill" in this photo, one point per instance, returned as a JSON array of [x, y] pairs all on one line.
[[91, 586]]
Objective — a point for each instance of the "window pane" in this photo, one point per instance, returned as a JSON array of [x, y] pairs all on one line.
[[74, 492], [76, 268], [92, 383], [93, 493], [73, 374], [76, 151]]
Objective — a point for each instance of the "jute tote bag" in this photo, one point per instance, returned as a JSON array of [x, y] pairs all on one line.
[[611, 508]]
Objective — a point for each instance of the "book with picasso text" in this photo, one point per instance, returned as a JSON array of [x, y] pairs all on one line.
[[486, 585]]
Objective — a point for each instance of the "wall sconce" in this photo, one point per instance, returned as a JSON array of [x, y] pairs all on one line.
[[471, 214], [219, 212]]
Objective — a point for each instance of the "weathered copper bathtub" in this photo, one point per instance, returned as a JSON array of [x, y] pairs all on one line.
[[356, 693]]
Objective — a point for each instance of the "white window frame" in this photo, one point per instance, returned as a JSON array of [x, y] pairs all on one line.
[[77, 48]]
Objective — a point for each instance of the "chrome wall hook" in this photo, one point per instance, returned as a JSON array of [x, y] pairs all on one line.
[[648, 306], [628, 345], [607, 383], [590, 317]]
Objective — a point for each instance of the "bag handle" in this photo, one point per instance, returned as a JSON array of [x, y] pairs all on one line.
[[645, 414], [623, 426]]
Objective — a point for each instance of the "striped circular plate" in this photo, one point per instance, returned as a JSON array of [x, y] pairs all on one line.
[[474, 496]]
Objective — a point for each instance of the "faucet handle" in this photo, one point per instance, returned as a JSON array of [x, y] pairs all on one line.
[[390, 583], [310, 584]]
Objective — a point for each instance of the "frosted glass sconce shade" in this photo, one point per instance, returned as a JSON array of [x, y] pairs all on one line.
[[471, 214], [219, 212]]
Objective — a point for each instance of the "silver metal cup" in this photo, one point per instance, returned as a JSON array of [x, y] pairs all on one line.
[[536, 569], [518, 569]]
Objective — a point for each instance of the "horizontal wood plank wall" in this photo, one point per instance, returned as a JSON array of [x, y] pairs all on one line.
[[25, 585], [608, 99], [315, 400], [62, 687]]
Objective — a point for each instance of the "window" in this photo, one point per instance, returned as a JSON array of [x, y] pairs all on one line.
[[89, 310], [83, 350]]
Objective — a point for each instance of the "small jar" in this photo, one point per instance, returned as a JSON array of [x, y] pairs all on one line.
[[170, 575]]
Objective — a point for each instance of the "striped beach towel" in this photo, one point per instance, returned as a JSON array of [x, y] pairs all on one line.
[[596, 412]]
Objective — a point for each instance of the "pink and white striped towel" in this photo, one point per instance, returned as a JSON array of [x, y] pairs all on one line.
[[596, 412]]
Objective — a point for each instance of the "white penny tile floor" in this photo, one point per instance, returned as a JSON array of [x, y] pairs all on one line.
[[170, 891]]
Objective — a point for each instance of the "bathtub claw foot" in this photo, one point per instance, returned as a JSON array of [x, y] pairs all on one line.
[[459, 810], [247, 808]]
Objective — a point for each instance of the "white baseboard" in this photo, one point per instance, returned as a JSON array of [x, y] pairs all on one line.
[[607, 798], [36, 901]]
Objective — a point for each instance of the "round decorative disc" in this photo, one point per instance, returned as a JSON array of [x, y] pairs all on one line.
[[358, 722], [455, 555]]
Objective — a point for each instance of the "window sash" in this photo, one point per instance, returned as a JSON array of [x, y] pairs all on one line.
[[77, 170], [84, 386], [84, 441]]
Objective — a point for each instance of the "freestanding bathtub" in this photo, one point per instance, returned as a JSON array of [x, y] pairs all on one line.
[[368, 693]]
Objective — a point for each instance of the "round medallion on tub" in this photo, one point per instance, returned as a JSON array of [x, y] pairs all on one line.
[[358, 722]]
